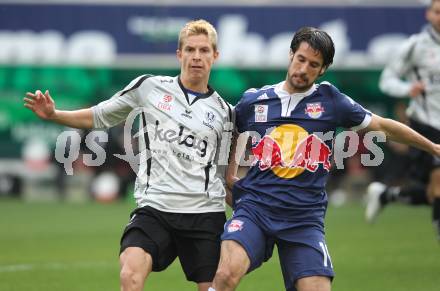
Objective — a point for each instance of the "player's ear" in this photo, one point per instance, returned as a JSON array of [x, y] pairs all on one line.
[[179, 54], [322, 71]]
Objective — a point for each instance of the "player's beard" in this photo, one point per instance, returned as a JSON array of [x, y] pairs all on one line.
[[300, 87]]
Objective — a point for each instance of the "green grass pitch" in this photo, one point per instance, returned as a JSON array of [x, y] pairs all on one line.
[[66, 247]]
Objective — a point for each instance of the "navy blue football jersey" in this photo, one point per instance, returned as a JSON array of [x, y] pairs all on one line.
[[292, 145]]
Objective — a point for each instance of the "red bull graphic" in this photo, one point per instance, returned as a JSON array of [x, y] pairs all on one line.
[[289, 150], [310, 153], [314, 110], [235, 225], [268, 153]]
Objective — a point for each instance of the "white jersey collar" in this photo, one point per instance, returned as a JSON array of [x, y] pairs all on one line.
[[281, 92], [289, 101]]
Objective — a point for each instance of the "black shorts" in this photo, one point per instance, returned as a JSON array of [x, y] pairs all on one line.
[[193, 237], [422, 163]]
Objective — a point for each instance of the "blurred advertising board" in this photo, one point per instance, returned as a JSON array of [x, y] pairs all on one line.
[[145, 35], [85, 53]]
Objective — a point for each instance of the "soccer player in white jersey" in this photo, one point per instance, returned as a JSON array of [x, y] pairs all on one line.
[[179, 190], [415, 72]]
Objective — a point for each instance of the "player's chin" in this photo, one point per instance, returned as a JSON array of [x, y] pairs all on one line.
[[199, 74], [301, 84]]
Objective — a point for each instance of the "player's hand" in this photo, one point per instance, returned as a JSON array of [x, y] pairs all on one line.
[[436, 150], [417, 89], [41, 104]]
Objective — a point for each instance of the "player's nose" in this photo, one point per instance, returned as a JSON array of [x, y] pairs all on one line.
[[196, 55], [303, 68]]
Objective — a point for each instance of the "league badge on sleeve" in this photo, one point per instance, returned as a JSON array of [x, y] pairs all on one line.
[[261, 113], [314, 110]]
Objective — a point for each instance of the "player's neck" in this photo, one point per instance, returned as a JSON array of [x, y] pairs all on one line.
[[200, 86]]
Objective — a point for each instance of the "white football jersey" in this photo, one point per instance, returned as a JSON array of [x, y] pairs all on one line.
[[184, 138], [417, 59]]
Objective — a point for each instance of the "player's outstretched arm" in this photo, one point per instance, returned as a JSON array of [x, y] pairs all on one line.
[[44, 107], [401, 133]]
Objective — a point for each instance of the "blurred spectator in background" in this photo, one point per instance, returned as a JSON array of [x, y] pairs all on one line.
[[106, 183], [415, 72]]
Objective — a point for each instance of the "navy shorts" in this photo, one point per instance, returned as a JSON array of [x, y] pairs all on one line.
[[301, 247]]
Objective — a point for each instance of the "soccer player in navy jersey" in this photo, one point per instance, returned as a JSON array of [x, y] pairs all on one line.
[[282, 199]]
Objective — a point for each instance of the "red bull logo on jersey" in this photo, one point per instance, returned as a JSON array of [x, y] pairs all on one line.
[[268, 153], [314, 110], [310, 153], [289, 150]]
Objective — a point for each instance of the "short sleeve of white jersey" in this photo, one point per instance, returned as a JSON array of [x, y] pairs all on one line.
[[116, 109], [399, 67]]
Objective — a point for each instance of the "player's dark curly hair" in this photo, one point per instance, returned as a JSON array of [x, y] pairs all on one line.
[[318, 40]]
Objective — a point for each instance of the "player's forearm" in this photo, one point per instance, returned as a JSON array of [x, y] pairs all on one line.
[[401, 133], [231, 171], [82, 118]]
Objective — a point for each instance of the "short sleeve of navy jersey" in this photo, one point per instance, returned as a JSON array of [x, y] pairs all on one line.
[[350, 113], [241, 115]]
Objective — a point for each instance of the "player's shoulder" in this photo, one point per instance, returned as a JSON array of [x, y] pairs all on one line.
[[414, 40], [219, 98], [139, 81], [223, 104], [258, 93], [147, 82], [328, 89], [339, 98], [159, 79]]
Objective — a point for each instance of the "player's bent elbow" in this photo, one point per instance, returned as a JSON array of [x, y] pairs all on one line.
[[230, 181]]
